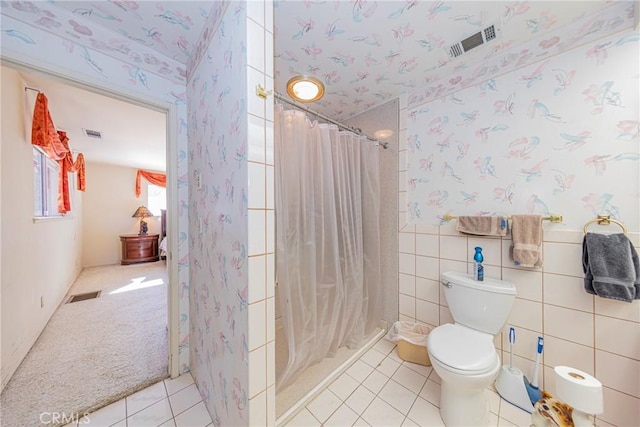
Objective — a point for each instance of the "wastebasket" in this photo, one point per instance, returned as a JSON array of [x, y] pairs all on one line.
[[411, 340]]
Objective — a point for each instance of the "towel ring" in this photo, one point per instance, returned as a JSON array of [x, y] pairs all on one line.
[[605, 220]]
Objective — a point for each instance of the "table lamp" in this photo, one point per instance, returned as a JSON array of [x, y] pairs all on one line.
[[142, 212]]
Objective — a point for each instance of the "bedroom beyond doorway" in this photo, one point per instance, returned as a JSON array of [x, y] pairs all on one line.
[[97, 351]]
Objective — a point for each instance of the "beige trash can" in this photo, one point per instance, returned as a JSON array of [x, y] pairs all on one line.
[[411, 340]]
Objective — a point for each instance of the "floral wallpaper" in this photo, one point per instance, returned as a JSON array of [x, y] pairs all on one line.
[[31, 45], [218, 9], [366, 52], [217, 114], [152, 37], [369, 51], [597, 25], [171, 28], [558, 136]]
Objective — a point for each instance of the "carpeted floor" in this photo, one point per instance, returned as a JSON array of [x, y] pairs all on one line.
[[97, 351]]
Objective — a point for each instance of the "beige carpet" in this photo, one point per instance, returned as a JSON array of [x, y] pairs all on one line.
[[94, 352]]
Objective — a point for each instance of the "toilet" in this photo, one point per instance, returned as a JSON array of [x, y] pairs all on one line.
[[462, 353]]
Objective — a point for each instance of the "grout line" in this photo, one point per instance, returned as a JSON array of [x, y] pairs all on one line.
[[324, 384]]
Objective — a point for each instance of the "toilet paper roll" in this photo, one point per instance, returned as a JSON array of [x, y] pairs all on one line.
[[579, 389]]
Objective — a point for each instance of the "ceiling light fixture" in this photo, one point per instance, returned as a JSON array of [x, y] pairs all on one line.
[[305, 88], [383, 133]]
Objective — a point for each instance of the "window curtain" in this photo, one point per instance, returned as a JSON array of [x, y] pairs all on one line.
[[327, 239], [56, 145], [43, 131], [159, 179], [78, 166], [66, 166]]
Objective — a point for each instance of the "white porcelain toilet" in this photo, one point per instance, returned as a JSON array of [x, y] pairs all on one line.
[[463, 354]]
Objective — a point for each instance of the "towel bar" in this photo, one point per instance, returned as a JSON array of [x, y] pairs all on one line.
[[605, 220], [552, 217]]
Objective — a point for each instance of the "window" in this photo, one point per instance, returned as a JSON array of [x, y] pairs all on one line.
[[156, 199], [45, 173]]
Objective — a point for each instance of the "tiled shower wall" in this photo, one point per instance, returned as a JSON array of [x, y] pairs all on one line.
[[261, 251], [598, 336]]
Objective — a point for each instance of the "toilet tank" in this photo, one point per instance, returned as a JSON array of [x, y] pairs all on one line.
[[484, 306]]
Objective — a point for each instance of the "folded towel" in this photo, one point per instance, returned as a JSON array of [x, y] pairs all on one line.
[[482, 225], [611, 266], [526, 245]]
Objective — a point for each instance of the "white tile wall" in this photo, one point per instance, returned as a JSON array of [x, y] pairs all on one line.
[[257, 274], [568, 324], [427, 267], [407, 284], [618, 372], [595, 335], [559, 352], [261, 339], [257, 234], [257, 371], [566, 291], [610, 330], [427, 289]]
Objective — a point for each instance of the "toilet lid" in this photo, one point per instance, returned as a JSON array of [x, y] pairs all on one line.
[[462, 348]]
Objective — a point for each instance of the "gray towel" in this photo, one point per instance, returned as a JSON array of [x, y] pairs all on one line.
[[611, 266]]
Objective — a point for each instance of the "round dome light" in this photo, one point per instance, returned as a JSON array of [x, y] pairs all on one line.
[[383, 133], [305, 89]]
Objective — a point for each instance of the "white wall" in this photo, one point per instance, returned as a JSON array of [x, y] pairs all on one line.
[[109, 202], [39, 260]]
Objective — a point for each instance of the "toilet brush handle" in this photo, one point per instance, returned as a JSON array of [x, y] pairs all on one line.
[[534, 376], [512, 340]]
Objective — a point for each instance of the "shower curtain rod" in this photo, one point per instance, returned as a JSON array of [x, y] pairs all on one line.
[[384, 145]]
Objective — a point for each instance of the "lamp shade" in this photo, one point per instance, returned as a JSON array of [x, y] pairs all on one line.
[[142, 212]]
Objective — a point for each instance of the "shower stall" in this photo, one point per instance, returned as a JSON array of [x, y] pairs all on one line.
[[329, 245]]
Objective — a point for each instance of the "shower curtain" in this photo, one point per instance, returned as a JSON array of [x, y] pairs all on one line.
[[327, 238]]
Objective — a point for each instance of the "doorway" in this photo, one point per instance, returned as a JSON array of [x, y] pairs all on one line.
[[171, 296]]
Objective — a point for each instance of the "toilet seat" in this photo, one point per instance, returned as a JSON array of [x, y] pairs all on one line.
[[462, 350]]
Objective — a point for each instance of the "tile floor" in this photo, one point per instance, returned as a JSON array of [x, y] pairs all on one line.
[[174, 403], [380, 389]]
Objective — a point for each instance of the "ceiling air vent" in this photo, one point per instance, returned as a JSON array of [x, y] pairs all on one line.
[[93, 133], [478, 39]]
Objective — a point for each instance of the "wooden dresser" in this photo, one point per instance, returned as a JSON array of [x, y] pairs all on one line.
[[139, 248]]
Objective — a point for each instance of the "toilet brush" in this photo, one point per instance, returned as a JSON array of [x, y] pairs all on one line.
[[511, 385], [532, 387]]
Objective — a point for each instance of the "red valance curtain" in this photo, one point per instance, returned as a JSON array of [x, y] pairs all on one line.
[[65, 165], [56, 145], [159, 179], [43, 131], [78, 166]]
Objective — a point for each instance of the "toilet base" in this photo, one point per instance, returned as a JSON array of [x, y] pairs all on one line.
[[463, 407]]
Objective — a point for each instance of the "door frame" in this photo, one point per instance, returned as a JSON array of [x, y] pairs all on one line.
[[170, 111]]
